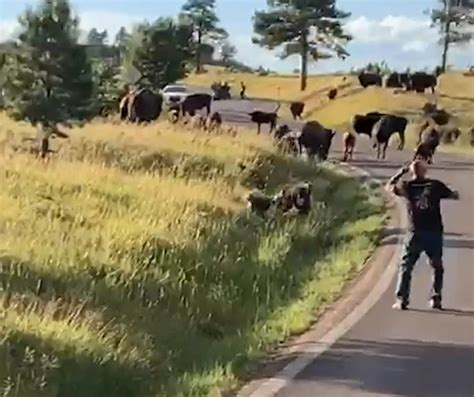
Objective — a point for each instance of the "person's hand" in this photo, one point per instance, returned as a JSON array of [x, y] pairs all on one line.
[[455, 195]]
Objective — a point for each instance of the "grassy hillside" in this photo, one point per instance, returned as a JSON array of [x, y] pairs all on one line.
[[129, 266]]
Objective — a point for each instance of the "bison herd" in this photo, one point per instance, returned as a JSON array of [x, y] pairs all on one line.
[[419, 81], [312, 138]]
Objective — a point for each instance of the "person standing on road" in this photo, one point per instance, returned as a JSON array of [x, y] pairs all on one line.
[[423, 196], [243, 88]]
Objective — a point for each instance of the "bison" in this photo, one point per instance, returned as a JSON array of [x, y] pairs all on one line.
[[195, 102], [420, 81], [385, 128], [260, 117], [426, 149], [349, 145], [367, 79], [141, 106], [394, 81], [297, 196], [316, 139], [364, 124], [214, 121], [332, 93], [297, 109]]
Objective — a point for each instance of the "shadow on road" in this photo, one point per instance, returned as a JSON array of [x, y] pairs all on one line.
[[396, 368]]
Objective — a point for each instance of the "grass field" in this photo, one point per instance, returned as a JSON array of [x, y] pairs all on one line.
[[130, 268], [455, 94]]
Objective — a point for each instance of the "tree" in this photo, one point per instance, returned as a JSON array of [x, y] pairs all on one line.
[[162, 52], [454, 20], [121, 38], [94, 37], [49, 77], [202, 16], [106, 84], [310, 28], [228, 52]]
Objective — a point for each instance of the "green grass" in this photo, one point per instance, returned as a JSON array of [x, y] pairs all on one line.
[[129, 266]]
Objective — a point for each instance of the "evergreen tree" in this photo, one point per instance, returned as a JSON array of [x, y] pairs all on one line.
[[49, 78], [202, 15], [455, 21], [94, 37], [163, 52], [228, 52], [308, 28]]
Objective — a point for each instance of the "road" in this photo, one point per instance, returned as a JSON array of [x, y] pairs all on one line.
[[418, 353]]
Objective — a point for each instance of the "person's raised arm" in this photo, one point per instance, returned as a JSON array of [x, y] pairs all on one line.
[[393, 185], [447, 193]]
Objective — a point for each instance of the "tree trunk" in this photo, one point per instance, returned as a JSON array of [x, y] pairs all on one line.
[[447, 30], [198, 51], [304, 62]]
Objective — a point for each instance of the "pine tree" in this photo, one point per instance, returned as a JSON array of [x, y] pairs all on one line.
[[455, 21], [228, 52], [163, 52], [49, 78], [94, 37], [309, 28], [202, 15]]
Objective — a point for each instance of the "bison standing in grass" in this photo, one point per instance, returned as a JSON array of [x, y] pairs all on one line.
[[141, 106], [194, 102]]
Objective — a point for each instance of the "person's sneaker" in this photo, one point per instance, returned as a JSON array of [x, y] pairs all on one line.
[[400, 305], [435, 303]]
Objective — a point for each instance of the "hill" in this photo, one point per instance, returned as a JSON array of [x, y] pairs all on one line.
[[129, 266]]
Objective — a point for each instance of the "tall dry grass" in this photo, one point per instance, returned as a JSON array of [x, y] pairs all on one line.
[[129, 266]]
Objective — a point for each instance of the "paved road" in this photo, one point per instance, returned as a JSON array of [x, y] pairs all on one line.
[[419, 353]]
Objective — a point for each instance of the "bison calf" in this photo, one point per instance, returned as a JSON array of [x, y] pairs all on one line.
[[349, 144], [214, 121], [297, 196], [258, 202]]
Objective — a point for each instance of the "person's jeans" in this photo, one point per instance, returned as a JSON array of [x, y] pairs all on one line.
[[415, 243]]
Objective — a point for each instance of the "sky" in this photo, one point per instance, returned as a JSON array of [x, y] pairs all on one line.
[[395, 31]]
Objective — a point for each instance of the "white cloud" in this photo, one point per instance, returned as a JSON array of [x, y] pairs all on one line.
[[415, 46], [7, 29], [391, 29]]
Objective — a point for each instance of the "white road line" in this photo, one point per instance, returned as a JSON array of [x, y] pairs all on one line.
[[311, 352]]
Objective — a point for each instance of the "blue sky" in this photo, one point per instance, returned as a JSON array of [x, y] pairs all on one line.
[[397, 31]]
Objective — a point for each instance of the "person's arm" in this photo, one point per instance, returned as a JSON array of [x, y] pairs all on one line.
[[393, 185], [446, 193]]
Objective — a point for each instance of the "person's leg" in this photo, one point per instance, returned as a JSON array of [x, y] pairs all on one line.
[[412, 251], [433, 246]]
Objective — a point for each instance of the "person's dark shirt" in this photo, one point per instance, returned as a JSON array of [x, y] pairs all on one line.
[[423, 201]]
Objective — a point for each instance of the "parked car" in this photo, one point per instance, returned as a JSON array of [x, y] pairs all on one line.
[[174, 93]]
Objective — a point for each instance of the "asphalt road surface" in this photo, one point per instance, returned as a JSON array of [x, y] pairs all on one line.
[[418, 353]]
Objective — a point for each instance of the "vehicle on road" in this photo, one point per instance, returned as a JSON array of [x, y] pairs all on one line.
[[174, 93]]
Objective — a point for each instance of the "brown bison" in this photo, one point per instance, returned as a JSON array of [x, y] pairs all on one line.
[[427, 147], [420, 81], [141, 106], [367, 79], [332, 94], [297, 109], [349, 145], [214, 121], [385, 128], [316, 139], [195, 102], [297, 196]]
